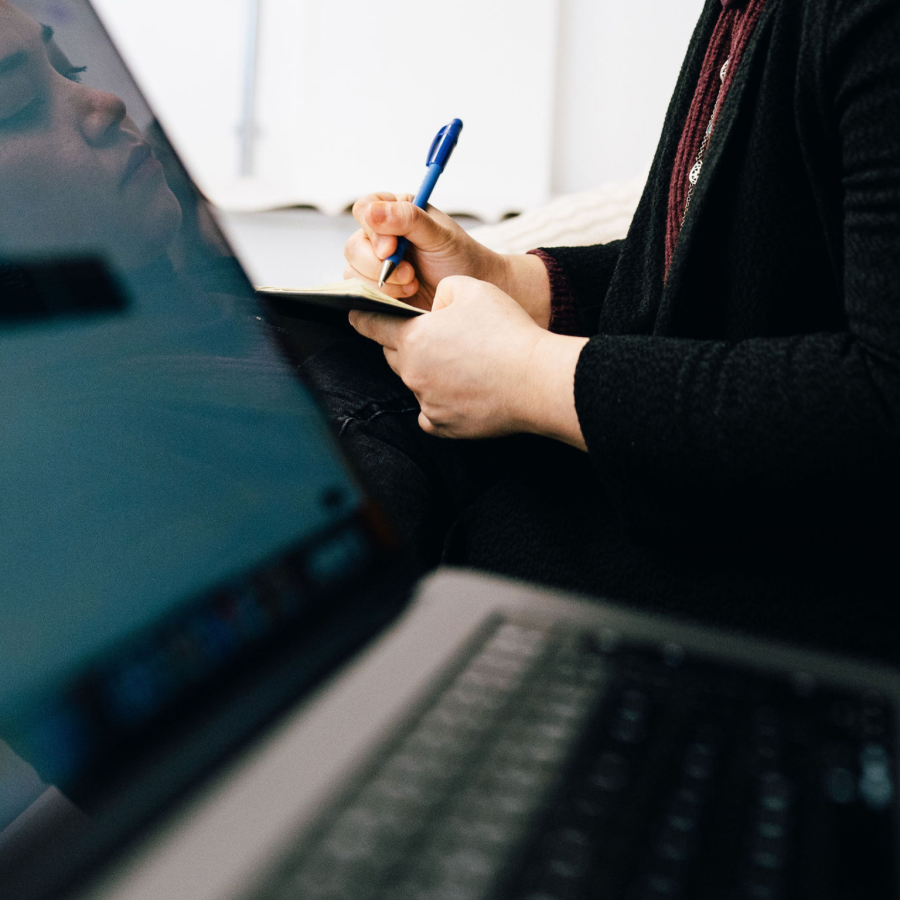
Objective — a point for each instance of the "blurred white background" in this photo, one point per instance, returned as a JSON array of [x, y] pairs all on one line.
[[278, 103]]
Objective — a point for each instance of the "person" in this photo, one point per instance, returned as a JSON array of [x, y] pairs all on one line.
[[701, 418], [74, 168]]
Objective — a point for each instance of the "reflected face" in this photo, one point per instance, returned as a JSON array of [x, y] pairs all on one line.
[[75, 171]]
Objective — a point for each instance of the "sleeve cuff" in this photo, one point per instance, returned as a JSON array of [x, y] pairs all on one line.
[[563, 315]]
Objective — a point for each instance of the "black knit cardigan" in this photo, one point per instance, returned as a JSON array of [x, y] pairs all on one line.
[[760, 384], [742, 416]]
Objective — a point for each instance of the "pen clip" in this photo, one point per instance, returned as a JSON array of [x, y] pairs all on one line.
[[443, 144]]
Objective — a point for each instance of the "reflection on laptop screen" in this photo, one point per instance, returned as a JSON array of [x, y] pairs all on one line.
[[155, 447]]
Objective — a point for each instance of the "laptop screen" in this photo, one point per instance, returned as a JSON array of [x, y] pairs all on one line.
[[171, 496]]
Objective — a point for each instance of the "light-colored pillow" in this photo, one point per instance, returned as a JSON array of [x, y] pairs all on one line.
[[573, 220]]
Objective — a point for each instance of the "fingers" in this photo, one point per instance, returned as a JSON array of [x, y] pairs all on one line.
[[383, 216], [426, 424], [390, 287], [384, 241], [454, 287], [366, 250], [393, 359], [364, 263], [443, 296], [422, 229], [383, 329]]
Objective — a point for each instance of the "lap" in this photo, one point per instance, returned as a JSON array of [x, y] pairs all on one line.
[[423, 483], [534, 509]]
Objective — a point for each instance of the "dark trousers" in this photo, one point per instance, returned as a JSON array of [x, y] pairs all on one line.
[[423, 483], [534, 509]]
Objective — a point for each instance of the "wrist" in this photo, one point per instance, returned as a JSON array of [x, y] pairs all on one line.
[[546, 399], [526, 280]]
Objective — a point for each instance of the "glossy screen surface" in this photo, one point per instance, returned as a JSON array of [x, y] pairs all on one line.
[[155, 448]]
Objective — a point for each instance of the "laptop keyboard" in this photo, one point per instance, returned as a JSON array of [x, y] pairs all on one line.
[[551, 767]]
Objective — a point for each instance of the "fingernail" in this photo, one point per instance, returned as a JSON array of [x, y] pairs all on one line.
[[379, 213]]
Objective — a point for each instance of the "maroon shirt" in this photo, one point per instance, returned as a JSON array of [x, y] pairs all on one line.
[[730, 37]]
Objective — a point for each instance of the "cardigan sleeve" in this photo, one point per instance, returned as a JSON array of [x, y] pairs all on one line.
[[579, 280], [787, 441], [563, 316]]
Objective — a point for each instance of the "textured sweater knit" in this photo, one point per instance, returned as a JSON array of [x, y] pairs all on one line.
[[732, 33]]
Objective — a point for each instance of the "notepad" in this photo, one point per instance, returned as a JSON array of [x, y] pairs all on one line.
[[343, 295]]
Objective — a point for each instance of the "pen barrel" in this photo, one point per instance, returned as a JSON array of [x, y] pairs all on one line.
[[432, 173], [397, 255]]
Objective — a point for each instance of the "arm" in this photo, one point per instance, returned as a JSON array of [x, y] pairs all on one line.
[[788, 440], [481, 365]]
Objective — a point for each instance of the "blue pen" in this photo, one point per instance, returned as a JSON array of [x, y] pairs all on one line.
[[441, 148]]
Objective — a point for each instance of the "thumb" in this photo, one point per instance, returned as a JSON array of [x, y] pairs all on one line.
[[405, 218], [447, 291]]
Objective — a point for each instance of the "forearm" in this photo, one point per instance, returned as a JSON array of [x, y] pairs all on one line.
[[545, 404], [759, 435]]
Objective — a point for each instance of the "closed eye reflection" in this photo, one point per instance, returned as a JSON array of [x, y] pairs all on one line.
[[78, 176], [29, 117], [22, 87], [35, 112]]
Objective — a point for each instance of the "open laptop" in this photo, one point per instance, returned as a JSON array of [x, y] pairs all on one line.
[[220, 679]]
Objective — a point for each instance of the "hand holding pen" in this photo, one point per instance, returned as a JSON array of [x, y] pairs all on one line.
[[438, 156], [474, 364], [390, 224]]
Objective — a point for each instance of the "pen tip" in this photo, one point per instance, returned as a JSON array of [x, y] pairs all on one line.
[[386, 270]]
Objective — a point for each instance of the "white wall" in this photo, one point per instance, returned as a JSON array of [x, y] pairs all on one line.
[[558, 95], [618, 61], [352, 99], [187, 56]]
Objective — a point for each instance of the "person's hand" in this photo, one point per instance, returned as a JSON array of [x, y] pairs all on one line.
[[480, 366], [438, 247]]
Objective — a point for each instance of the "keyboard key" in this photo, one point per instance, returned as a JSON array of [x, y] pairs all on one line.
[[632, 772], [611, 773]]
